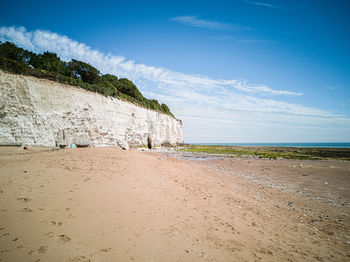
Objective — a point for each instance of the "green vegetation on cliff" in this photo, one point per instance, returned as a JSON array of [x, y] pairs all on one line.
[[77, 73]]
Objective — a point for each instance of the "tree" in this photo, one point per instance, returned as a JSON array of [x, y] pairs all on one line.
[[50, 62], [11, 51], [127, 87], [165, 108], [155, 105], [110, 78], [86, 72]]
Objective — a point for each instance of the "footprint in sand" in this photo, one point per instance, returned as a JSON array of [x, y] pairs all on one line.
[[54, 223], [40, 250], [80, 259], [264, 251], [28, 210], [50, 234], [24, 199], [231, 227], [64, 238], [106, 249]]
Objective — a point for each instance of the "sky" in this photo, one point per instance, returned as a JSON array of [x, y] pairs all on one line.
[[243, 71]]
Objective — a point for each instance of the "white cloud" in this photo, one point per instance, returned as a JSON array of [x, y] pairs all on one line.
[[67, 48], [255, 41], [208, 24], [334, 88], [225, 37], [209, 107], [18, 35], [263, 4]]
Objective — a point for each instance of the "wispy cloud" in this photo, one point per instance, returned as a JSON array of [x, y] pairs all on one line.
[[225, 37], [224, 107], [208, 24], [333, 88], [255, 41], [264, 4], [66, 48]]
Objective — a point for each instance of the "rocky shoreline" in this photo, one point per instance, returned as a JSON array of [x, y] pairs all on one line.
[[306, 167]]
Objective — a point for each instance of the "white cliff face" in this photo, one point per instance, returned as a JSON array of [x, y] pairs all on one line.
[[42, 112]]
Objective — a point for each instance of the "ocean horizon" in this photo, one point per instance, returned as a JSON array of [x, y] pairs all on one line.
[[320, 145]]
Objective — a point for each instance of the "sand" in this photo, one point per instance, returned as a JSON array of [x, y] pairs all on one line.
[[108, 204]]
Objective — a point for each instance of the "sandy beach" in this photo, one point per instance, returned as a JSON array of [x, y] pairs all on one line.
[[106, 204]]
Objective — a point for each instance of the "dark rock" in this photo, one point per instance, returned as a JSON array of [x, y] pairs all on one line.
[[149, 142]]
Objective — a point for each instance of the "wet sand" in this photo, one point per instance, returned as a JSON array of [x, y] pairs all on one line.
[[111, 205]]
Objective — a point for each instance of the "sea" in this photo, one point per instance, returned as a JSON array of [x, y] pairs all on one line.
[[323, 145]]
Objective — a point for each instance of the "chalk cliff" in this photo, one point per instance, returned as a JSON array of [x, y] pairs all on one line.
[[41, 112]]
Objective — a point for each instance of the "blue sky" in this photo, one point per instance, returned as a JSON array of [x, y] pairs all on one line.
[[233, 71]]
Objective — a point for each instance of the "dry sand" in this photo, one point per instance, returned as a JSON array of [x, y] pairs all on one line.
[[113, 205]]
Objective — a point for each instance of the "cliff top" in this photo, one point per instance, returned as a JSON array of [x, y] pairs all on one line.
[[76, 73]]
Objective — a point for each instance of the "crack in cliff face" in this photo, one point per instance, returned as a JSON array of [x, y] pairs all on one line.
[[50, 114]]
